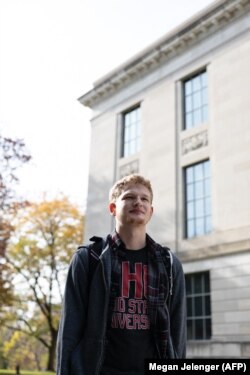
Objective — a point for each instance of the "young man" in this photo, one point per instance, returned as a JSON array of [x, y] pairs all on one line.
[[131, 305]]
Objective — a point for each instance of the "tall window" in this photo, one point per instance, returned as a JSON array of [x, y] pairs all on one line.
[[198, 199], [131, 134], [195, 100], [198, 306]]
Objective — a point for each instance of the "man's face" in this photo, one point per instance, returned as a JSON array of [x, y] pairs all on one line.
[[133, 206]]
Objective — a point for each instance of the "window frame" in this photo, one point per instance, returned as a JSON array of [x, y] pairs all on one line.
[[201, 321], [201, 110], [202, 201], [136, 139]]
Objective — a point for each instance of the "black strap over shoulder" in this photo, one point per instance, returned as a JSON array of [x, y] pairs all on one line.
[[94, 251], [167, 257]]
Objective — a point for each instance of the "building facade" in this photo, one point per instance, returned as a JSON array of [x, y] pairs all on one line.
[[179, 113]]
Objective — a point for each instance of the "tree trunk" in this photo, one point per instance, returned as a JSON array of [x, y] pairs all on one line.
[[52, 352]]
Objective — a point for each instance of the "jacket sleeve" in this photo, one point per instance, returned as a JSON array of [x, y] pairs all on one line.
[[178, 318], [73, 313]]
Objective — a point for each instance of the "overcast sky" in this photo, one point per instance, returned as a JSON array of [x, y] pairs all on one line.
[[51, 52]]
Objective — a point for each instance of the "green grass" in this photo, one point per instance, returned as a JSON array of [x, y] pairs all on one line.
[[23, 372]]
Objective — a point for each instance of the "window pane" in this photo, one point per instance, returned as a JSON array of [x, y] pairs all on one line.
[[208, 329], [207, 187], [188, 103], [189, 175], [207, 206], [138, 131], [195, 100], [190, 192], [190, 229], [188, 285], [188, 88], [199, 208], [189, 307], [199, 329], [132, 117], [208, 223], [126, 149], [198, 306], [199, 190], [197, 116], [131, 132], [200, 226], [197, 200], [196, 83], [198, 283], [132, 147], [198, 171], [206, 165], [204, 99], [207, 306], [138, 114], [204, 79], [190, 210], [127, 119], [206, 282], [190, 335], [189, 120], [126, 133]]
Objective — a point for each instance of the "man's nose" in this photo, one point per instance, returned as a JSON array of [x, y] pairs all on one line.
[[138, 201]]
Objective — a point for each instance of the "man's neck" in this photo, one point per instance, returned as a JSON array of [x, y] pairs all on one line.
[[133, 238]]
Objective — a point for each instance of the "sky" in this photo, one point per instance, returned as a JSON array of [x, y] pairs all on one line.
[[51, 52]]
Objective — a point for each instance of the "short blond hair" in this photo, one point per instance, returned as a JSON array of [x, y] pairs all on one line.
[[124, 182]]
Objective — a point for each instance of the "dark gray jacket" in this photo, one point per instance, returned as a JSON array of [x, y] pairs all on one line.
[[82, 330]]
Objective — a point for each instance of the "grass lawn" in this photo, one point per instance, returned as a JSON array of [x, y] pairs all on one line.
[[23, 372]]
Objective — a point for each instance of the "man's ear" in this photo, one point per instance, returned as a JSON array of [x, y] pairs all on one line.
[[152, 211], [112, 208]]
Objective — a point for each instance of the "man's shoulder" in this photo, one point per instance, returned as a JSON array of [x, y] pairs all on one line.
[[167, 251], [171, 260], [95, 245]]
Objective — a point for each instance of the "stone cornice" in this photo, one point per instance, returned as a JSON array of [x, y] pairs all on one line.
[[208, 21]]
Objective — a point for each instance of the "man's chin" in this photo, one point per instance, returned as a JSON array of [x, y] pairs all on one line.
[[137, 221]]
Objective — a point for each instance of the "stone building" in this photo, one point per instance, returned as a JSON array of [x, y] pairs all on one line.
[[179, 113]]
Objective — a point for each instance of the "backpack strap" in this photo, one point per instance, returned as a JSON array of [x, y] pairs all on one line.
[[167, 257], [94, 251]]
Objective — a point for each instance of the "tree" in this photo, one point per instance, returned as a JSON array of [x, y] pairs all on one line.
[[28, 354], [47, 233], [13, 154]]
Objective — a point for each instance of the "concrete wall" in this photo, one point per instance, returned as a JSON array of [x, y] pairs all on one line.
[[103, 145]]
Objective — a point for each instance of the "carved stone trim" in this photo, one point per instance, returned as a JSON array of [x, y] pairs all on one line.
[[129, 168], [194, 142]]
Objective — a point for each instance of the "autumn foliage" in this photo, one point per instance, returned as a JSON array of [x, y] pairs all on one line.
[[13, 155], [46, 235], [37, 241]]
